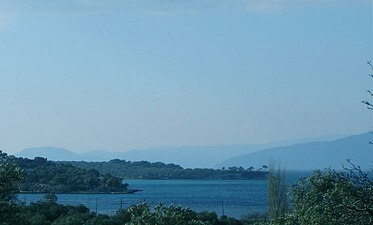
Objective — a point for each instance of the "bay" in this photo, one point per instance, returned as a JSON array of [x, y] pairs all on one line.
[[235, 198]]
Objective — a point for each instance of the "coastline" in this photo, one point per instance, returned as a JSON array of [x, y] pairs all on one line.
[[129, 191]]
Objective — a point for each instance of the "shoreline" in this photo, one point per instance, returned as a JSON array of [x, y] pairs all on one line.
[[130, 191]]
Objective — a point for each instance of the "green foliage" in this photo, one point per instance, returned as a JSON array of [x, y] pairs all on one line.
[[10, 174], [47, 176], [7, 212], [52, 213], [142, 215], [331, 197], [158, 170], [164, 215], [277, 192], [69, 220], [49, 213]]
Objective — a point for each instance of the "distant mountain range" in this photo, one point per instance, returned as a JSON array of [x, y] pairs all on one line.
[[51, 153], [295, 154], [188, 157], [313, 155]]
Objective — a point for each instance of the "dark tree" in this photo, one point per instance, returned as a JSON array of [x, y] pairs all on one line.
[[10, 173]]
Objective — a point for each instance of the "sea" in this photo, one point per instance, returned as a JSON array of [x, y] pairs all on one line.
[[234, 198]]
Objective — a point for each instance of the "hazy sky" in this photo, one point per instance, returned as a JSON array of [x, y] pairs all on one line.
[[119, 75]]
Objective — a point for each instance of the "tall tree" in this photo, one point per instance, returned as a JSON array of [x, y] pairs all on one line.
[[10, 173], [277, 192]]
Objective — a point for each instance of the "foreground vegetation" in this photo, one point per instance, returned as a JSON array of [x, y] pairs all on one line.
[[330, 197], [50, 213], [326, 197], [158, 170]]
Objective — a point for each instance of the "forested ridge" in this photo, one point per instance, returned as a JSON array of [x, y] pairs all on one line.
[[158, 170], [42, 175]]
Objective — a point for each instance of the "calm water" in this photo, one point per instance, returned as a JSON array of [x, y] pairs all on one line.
[[236, 197]]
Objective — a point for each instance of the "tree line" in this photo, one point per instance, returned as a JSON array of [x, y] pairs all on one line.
[[158, 170]]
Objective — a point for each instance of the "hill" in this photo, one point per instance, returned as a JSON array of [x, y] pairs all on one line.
[[313, 155], [203, 156], [190, 156], [42, 176]]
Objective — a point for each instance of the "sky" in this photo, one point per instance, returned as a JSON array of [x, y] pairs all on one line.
[[132, 74]]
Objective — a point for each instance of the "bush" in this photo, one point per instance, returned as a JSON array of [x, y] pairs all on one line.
[[332, 197]]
